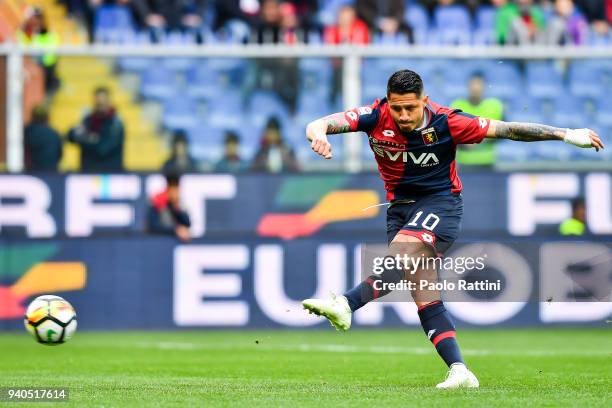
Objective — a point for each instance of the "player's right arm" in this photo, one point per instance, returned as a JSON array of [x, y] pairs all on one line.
[[317, 132], [362, 119]]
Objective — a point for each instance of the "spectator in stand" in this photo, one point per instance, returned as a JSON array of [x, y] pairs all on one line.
[[385, 18], [274, 155], [234, 18], [231, 161], [43, 145], [165, 214], [100, 136], [161, 16], [518, 23], [267, 26], [482, 154], [566, 26], [306, 11], [291, 32], [273, 74], [35, 31], [87, 8], [180, 160], [349, 30], [595, 13], [576, 224]]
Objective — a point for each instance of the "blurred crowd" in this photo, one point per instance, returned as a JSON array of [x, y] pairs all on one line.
[[101, 136], [345, 21]]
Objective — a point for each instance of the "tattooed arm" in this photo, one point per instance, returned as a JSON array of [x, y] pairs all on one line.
[[317, 132], [534, 132]]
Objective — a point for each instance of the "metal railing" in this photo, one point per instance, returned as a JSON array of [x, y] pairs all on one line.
[[351, 81]]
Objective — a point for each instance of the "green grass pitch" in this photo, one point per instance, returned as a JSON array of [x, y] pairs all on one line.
[[526, 368]]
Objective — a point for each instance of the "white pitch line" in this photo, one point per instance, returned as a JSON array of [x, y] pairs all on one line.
[[343, 348]]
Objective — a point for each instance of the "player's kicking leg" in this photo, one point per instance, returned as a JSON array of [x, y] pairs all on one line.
[[336, 310], [435, 320]]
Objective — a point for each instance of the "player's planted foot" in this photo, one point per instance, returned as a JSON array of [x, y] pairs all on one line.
[[459, 377], [336, 310]]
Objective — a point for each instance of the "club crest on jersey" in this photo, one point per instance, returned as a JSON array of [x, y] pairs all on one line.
[[429, 136]]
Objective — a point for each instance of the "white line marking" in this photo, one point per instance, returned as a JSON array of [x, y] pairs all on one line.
[[344, 348]]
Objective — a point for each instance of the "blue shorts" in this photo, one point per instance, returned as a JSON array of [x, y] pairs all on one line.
[[434, 219]]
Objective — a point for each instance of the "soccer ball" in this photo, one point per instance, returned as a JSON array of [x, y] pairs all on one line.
[[51, 320]]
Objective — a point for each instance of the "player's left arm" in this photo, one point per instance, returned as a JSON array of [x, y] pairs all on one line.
[[535, 132]]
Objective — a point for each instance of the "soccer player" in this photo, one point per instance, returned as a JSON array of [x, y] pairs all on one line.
[[414, 142]]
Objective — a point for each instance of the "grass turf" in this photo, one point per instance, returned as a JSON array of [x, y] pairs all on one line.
[[529, 368]]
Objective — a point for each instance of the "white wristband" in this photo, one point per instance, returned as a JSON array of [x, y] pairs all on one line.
[[578, 137]]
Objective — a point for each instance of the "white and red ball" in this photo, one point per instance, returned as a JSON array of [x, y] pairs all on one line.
[[51, 320]]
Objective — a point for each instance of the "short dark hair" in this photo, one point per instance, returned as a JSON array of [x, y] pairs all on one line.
[[273, 123], [577, 203], [477, 75], [173, 179], [405, 81], [179, 136], [231, 136], [40, 114], [102, 90]]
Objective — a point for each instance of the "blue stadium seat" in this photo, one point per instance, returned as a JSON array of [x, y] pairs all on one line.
[[509, 151], [456, 79], [113, 24], [180, 113], [604, 112], [204, 82], [586, 79], [265, 104], [135, 64], [178, 38], [328, 11], [390, 65], [374, 79], [315, 72], [484, 34], [226, 111], [525, 109], [600, 40], [311, 106], [179, 64], [453, 24], [389, 40], [206, 142], [543, 80], [504, 81], [234, 68], [157, 82], [569, 112], [417, 17], [485, 17], [556, 152]]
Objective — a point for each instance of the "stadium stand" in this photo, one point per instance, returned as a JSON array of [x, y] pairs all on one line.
[[144, 149], [202, 96]]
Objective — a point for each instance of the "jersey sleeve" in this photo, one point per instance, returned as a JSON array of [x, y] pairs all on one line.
[[467, 129], [363, 119]]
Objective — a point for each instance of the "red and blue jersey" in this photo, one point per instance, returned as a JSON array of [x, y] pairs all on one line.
[[421, 162]]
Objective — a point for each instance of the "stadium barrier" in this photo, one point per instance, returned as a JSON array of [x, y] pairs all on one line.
[[291, 206], [258, 283], [264, 242]]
